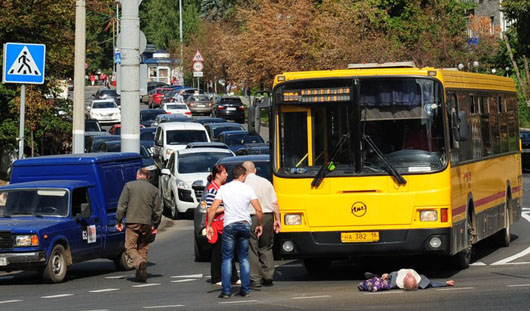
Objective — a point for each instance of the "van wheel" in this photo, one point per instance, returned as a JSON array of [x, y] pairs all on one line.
[[317, 265], [123, 262], [55, 270], [503, 236]]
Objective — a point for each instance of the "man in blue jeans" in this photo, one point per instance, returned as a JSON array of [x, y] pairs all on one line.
[[236, 197]]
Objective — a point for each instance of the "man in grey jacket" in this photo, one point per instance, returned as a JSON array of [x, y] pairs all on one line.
[[140, 203]]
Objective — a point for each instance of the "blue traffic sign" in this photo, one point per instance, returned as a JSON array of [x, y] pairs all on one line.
[[117, 57], [24, 63]]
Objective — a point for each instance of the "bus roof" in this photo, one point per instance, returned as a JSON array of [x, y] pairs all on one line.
[[451, 78]]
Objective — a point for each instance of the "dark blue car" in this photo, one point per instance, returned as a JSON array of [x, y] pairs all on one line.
[[238, 139]]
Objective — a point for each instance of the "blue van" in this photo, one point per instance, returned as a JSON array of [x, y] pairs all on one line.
[[60, 210]]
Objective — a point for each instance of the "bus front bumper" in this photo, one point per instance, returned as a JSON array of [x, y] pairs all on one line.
[[391, 242]]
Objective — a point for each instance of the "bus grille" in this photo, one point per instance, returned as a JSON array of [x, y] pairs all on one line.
[[6, 240]]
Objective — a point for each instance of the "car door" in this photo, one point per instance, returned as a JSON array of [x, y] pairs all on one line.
[[88, 237]]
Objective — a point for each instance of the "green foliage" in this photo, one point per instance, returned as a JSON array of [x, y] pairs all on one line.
[[161, 19], [518, 12]]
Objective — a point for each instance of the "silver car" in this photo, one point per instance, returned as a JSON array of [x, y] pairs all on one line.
[[199, 104]]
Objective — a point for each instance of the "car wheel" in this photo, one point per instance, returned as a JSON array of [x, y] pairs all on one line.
[[123, 262], [55, 270], [174, 213], [200, 256]]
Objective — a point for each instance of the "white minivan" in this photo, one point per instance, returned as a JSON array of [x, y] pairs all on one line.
[[171, 136]]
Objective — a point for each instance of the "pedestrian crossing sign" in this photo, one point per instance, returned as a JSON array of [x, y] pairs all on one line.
[[23, 63]]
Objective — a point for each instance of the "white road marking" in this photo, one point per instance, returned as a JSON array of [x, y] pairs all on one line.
[[146, 285], [10, 301], [478, 263], [183, 280], [199, 275], [518, 255], [518, 285], [103, 290], [161, 307], [56, 296], [116, 277], [454, 288], [311, 297], [239, 301], [514, 263]]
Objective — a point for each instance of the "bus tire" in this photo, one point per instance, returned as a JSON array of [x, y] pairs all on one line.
[[463, 258], [55, 269], [317, 265], [503, 236]]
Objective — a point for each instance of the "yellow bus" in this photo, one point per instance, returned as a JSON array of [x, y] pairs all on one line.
[[385, 159]]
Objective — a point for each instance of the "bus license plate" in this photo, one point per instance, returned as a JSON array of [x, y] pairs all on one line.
[[3, 261], [356, 237]]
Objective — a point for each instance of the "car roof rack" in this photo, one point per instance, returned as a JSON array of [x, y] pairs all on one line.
[[409, 64]]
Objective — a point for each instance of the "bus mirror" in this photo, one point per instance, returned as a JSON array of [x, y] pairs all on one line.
[[463, 128]]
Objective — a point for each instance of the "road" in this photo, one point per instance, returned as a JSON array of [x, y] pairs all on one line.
[[499, 279]]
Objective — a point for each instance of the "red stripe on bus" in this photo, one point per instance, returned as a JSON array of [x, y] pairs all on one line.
[[493, 197], [516, 189]]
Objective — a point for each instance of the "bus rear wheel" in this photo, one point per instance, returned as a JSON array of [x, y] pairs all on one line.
[[503, 236]]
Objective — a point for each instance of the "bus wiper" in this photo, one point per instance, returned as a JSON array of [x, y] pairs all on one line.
[[396, 174], [328, 166]]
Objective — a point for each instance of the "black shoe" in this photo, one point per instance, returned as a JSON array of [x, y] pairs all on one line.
[[255, 284], [243, 294], [369, 275], [141, 273], [267, 283], [224, 295]]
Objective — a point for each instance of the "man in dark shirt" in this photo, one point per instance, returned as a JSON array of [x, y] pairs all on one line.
[[140, 203]]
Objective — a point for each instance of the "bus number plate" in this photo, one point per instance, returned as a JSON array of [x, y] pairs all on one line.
[[3, 261], [356, 237]]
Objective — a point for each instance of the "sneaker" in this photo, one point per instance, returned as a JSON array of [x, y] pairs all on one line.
[[218, 284], [243, 294], [224, 295], [238, 282]]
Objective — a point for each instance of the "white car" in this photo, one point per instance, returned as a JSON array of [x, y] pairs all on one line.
[[183, 179], [176, 108], [105, 111], [171, 136]]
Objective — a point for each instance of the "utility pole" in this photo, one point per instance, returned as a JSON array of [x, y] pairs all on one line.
[[78, 127], [130, 76], [181, 48]]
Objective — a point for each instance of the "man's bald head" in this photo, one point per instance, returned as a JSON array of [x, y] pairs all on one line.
[[249, 166]]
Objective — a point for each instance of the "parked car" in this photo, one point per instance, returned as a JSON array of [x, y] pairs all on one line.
[[230, 108], [147, 116], [147, 138], [116, 129], [110, 94], [93, 143], [199, 104], [173, 136], [257, 148], [525, 148], [214, 129], [105, 111], [155, 99], [151, 86], [59, 210], [238, 139], [209, 120], [183, 179], [202, 248], [166, 118], [212, 144], [176, 108], [147, 158], [92, 128]]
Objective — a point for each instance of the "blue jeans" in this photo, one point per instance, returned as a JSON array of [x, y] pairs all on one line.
[[236, 234]]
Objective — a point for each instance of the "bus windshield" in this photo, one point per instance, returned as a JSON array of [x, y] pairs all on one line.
[[403, 117]]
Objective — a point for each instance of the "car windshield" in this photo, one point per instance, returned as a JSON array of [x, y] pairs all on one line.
[[109, 93], [149, 115], [104, 105], [184, 137], [147, 135], [242, 139], [92, 127], [219, 130], [34, 202], [176, 106], [202, 98], [199, 162], [263, 169]]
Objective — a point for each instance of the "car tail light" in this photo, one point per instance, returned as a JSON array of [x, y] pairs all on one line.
[[188, 113], [210, 104], [191, 104], [168, 112], [221, 107], [242, 108]]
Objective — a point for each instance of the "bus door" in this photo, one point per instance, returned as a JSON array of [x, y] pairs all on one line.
[[294, 149]]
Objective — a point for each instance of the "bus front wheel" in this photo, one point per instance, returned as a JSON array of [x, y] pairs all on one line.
[[463, 259]]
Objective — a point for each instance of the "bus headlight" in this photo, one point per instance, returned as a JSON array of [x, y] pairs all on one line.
[[26, 240], [428, 216], [435, 242], [292, 219]]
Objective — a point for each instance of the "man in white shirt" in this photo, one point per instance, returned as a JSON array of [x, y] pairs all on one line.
[[236, 197], [261, 254]]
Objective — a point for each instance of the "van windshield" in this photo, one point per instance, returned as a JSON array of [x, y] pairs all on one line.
[[184, 137], [34, 202]]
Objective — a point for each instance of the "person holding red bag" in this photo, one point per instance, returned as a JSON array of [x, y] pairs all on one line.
[[217, 178]]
